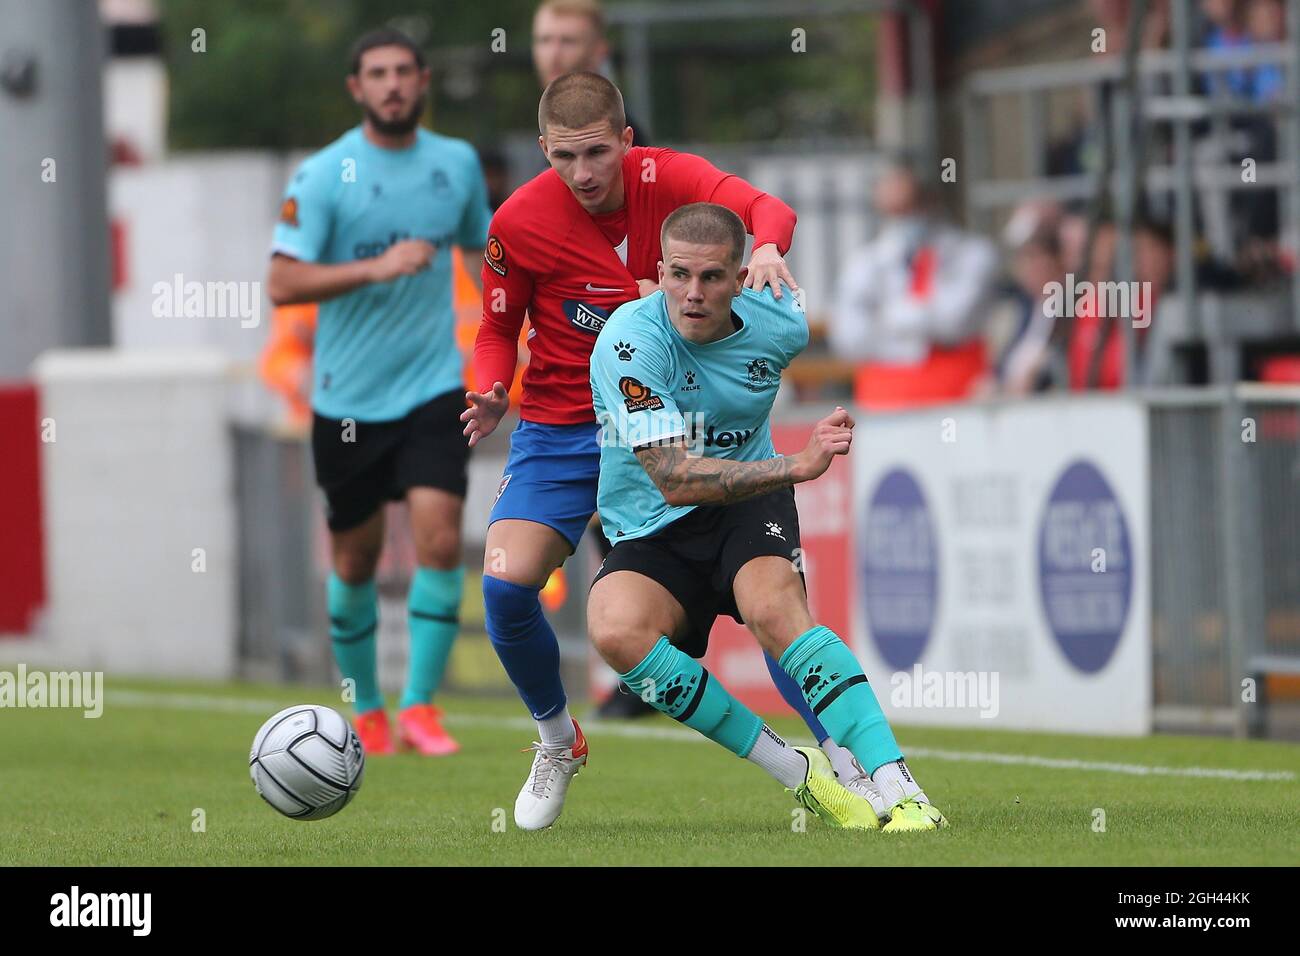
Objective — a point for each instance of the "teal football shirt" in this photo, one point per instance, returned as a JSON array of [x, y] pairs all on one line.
[[383, 349], [649, 384]]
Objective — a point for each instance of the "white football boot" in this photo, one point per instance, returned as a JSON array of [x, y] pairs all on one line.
[[862, 785], [540, 801]]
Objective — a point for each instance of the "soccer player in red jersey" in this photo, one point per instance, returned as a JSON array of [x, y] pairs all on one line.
[[565, 250]]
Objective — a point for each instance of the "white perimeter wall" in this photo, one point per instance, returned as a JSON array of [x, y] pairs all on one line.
[[138, 476]]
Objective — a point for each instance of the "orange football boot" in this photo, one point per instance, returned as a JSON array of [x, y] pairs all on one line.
[[376, 737], [420, 728]]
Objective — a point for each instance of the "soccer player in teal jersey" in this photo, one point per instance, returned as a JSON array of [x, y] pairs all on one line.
[[366, 229], [702, 515]]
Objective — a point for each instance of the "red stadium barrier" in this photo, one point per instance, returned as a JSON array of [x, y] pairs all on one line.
[[22, 549]]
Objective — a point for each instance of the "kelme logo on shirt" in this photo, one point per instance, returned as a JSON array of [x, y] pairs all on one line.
[[760, 376], [690, 385], [637, 397], [589, 318]]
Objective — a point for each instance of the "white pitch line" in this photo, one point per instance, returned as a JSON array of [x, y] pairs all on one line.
[[1134, 769], [168, 701]]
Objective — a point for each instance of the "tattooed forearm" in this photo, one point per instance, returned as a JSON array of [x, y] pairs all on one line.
[[688, 480]]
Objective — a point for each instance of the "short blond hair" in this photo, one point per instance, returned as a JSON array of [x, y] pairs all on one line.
[[579, 99], [705, 224], [591, 9]]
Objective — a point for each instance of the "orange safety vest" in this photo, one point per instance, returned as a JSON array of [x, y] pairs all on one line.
[[467, 304], [286, 357]]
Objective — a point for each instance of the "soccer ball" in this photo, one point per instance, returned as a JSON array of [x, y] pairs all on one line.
[[307, 762]]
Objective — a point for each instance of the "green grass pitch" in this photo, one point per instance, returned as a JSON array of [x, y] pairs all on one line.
[[122, 790]]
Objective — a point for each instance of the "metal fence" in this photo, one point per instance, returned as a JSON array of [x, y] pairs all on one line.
[[1225, 522], [1152, 135], [281, 619]]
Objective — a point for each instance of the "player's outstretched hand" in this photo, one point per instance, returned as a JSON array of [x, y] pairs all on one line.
[[767, 267], [484, 413], [404, 258], [830, 437], [645, 287]]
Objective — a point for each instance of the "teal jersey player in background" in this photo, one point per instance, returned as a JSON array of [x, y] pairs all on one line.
[[683, 383], [385, 347], [366, 229]]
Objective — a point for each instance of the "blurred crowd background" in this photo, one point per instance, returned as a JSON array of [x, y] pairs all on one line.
[[949, 162], [961, 156]]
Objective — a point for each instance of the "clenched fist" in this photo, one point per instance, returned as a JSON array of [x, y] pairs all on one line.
[[830, 437]]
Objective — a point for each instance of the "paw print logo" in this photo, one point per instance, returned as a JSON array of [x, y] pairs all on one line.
[[690, 378], [814, 683], [676, 690], [774, 530], [625, 351]]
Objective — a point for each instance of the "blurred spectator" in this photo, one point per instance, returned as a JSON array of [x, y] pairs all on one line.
[[569, 35], [1033, 236], [1078, 150], [1253, 213], [1226, 30], [1113, 17], [1266, 23], [1258, 208], [1153, 269], [912, 302], [1240, 24]]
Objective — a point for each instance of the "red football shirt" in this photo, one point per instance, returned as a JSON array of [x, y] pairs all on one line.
[[547, 258]]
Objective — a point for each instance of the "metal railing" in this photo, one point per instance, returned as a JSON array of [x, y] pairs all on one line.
[[1225, 518], [636, 21], [1138, 102]]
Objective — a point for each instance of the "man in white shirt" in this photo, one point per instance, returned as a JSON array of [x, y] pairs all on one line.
[[912, 302]]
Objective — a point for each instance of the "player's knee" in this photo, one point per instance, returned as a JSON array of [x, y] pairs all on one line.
[[776, 619], [524, 570], [609, 636], [355, 566], [509, 608], [620, 641], [607, 639], [620, 648], [439, 549]]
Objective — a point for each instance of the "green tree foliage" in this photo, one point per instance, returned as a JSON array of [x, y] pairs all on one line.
[[272, 73]]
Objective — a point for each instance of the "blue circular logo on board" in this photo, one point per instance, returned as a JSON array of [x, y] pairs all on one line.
[[899, 569], [1082, 533]]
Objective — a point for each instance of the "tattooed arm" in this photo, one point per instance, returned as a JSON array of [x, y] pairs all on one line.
[[685, 479], [689, 480]]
